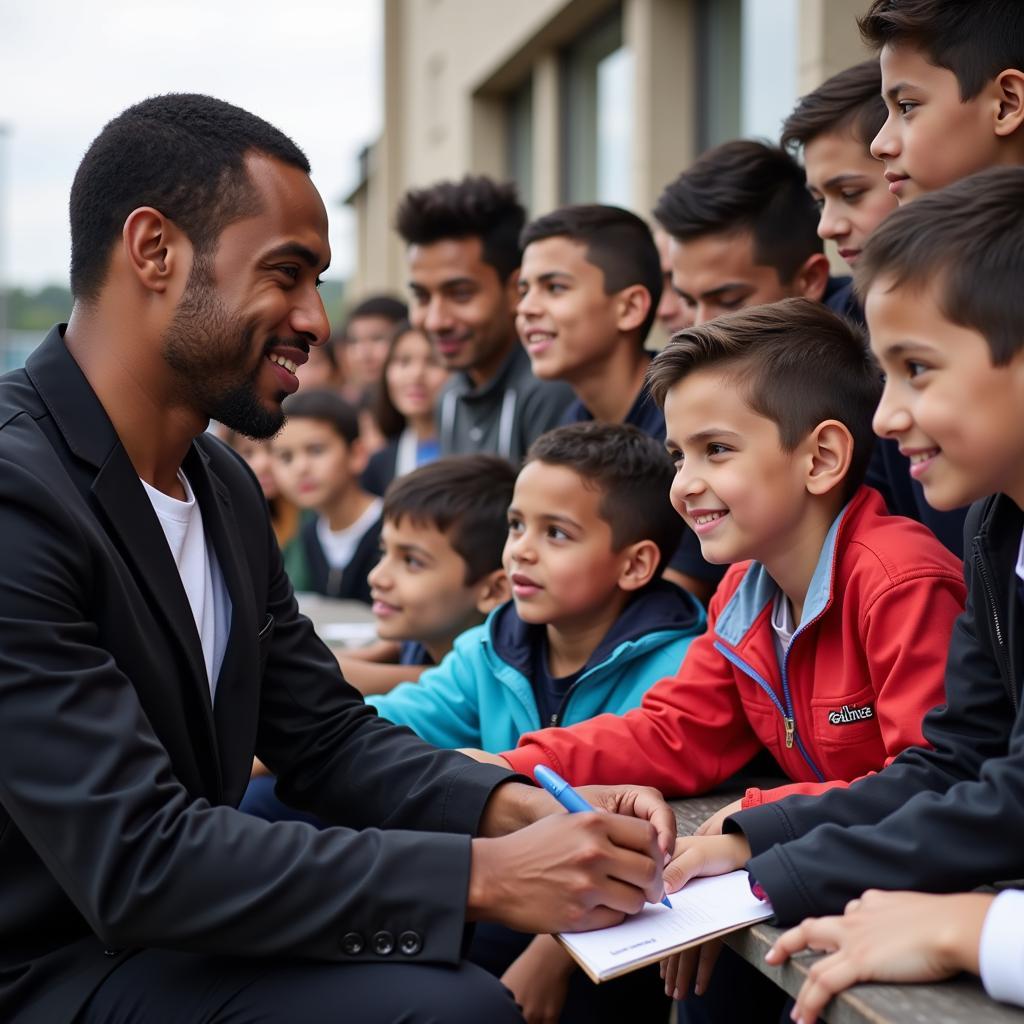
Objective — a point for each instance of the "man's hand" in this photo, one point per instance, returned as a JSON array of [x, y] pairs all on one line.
[[636, 802], [485, 757], [885, 936], [698, 856], [539, 980], [567, 872]]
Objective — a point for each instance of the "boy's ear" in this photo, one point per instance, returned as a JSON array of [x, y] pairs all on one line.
[[811, 280], [492, 590], [358, 457], [641, 563], [1010, 116], [632, 305], [831, 450]]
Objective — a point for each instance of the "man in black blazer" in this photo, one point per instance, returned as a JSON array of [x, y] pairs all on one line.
[[150, 645]]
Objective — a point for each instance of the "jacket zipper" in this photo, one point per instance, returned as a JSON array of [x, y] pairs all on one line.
[[786, 711], [993, 607]]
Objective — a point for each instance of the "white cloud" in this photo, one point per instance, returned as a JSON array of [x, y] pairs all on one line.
[[68, 66]]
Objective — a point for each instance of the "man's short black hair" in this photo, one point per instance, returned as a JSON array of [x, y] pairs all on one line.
[[387, 307], [965, 243], [975, 39], [181, 153], [795, 362], [617, 242], [475, 207], [746, 186], [632, 471], [465, 497], [849, 101], [326, 405]]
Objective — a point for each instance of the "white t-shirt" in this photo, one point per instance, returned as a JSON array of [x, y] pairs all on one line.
[[200, 572], [782, 624], [340, 545]]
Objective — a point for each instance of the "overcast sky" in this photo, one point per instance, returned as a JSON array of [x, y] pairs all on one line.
[[68, 66]]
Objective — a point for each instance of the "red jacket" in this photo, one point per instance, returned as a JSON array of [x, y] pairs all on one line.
[[864, 666]]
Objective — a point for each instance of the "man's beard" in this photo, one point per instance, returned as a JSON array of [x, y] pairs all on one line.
[[210, 347]]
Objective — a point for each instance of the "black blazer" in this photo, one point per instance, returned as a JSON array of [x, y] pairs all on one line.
[[119, 776]]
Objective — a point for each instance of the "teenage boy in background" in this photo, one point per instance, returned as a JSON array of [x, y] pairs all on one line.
[[743, 231], [589, 288], [946, 313], [463, 255], [834, 127], [672, 314], [827, 636]]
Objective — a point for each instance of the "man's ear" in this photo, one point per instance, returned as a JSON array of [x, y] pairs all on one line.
[[492, 590], [811, 279], [830, 447], [1010, 113], [157, 252], [511, 289], [640, 565], [632, 305]]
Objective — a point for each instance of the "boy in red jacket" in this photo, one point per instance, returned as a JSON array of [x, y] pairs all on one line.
[[827, 637]]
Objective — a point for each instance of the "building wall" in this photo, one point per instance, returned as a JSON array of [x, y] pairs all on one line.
[[451, 68]]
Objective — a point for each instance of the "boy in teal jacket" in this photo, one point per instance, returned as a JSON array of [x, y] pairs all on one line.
[[591, 625]]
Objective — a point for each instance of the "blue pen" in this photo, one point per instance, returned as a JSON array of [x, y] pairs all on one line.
[[568, 797]]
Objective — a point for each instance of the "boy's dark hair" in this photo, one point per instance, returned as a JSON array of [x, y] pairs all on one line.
[[324, 404], [965, 243], [795, 362], [181, 153], [850, 100], [387, 307], [746, 186], [975, 39], [617, 242], [633, 473], [475, 207], [465, 497]]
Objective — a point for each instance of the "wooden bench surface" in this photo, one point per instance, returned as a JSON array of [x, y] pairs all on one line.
[[959, 1000]]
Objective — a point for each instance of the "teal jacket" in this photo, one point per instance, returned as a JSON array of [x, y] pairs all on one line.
[[480, 695]]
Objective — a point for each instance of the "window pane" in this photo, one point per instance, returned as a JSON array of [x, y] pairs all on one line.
[[519, 123], [615, 128]]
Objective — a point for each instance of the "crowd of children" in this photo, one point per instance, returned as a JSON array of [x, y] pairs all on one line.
[[554, 505]]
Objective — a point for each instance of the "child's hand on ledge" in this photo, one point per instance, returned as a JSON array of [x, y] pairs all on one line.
[[888, 937]]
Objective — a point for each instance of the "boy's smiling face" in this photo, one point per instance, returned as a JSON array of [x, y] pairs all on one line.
[[932, 137], [419, 588], [848, 185], [735, 486], [564, 318], [558, 555], [952, 412]]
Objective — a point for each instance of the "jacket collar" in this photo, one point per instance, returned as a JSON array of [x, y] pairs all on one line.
[[499, 382], [661, 606], [757, 589]]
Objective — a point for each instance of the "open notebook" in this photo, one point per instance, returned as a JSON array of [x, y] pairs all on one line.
[[702, 909]]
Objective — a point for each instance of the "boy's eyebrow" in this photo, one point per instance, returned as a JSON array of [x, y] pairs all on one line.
[[549, 275], [893, 91], [707, 435], [839, 179], [414, 549], [717, 290], [898, 348]]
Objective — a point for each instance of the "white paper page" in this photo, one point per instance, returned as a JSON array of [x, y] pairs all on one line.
[[705, 906]]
